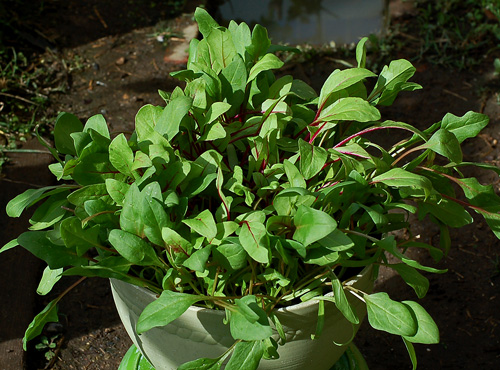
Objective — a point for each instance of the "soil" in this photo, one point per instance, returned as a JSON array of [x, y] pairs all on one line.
[[124, 66]]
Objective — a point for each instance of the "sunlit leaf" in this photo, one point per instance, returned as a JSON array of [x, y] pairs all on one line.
[[390, 316], [48, 314], [427, 332], [312, 225], [255, 329], [246, 355], [165, 309]]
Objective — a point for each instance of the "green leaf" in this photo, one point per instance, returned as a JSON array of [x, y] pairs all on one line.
[[245, 310], [392, 80], [270, 347], [447, 211], [340, 80], [479, 195], [203, 224], [56, 256], [390, 316], [89, 192], [131, 219], [141, 160], [66, 124], [50, 212], [350, 109], [411, 353], [361, 52], [389, 244], [287, 200], [312, 159], [81, 141], [312, 225], [211, 86], [117, 190], [321, 320], [242, 37], [98, 124], [341, 300], [302, 90], [205, 22], [246, 355], [222, 49], [294, 176], [145, 121], [94, 168], [115, 267], [215, 111], [260, 42], [17, 205], [202, 364], [198, 260], [446, 144], [76, 238], [484, 200], [427, 332], [231, 255], [465, 127], [379, 218], [397, 177], [121, 155], [198, 184], [413, 278], [269, 61], [241, 327], [153, 213], [321, 256], [214, 132], [336, 241], [165, 309], [133, 248], [169, 122], [233, 82], [253, 238], [175, 241], [49, 278], [12, 244], [49, 314]]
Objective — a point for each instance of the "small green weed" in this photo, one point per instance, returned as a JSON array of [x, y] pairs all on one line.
[[48, 345], [26, 81]]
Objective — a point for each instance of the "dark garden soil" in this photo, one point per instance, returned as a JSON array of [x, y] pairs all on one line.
[[124, 64]]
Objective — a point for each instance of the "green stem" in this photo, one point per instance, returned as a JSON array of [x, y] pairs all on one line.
[[370, 238], [356, 292]]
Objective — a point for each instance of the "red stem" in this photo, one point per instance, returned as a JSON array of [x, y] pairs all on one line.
[[367, 131]]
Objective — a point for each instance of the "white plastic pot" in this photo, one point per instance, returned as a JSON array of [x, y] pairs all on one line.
[[200, 332]]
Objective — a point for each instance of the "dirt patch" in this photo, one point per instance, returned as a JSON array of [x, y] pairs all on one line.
[[123, 72]]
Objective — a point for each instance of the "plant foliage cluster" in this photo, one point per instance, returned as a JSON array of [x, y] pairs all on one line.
[[248, 192]]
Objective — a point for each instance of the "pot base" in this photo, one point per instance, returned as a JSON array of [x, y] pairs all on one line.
[[350, 360]]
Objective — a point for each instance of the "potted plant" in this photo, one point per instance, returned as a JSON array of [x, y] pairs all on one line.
[[250, 197]]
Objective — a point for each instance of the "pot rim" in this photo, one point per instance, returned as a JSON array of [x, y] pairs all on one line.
[[298, 306]]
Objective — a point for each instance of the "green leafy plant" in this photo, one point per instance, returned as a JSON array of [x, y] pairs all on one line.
[[48, 346], [248, 192]]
